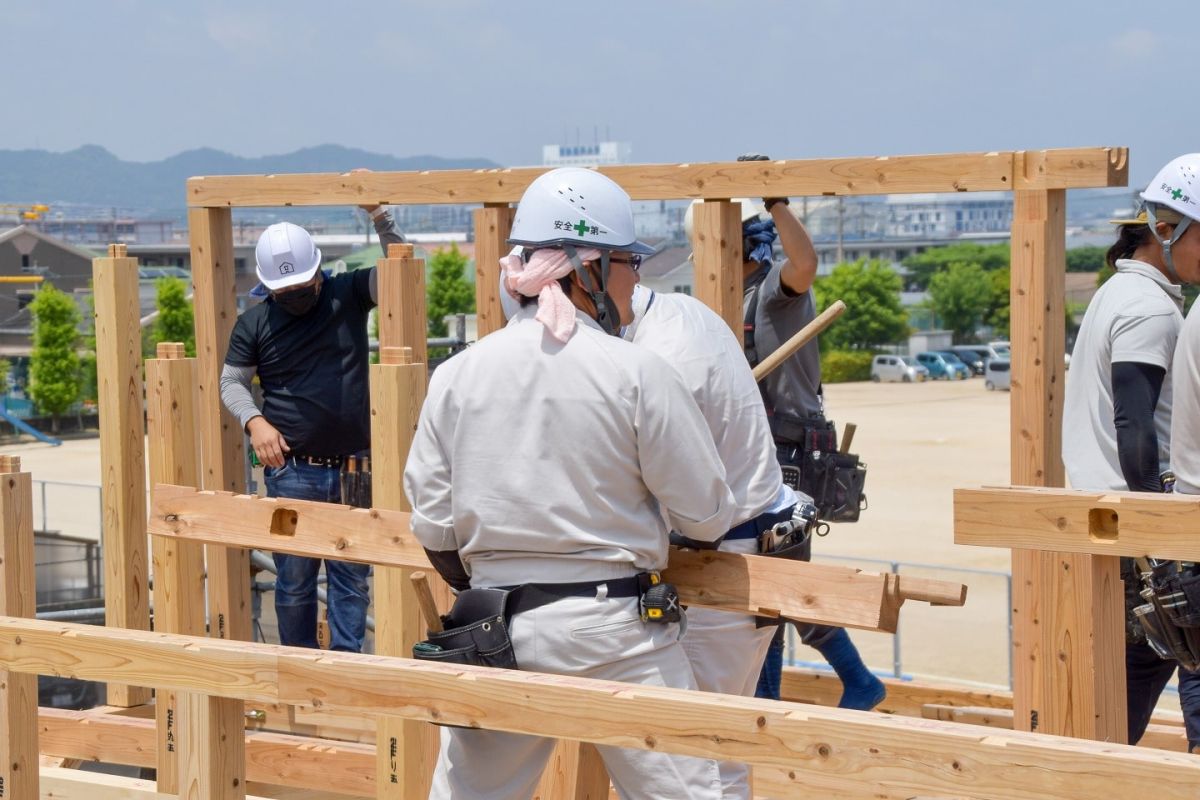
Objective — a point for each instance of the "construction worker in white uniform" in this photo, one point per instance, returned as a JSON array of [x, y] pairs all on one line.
[[548, 465], [1117, 415], [726, 649]]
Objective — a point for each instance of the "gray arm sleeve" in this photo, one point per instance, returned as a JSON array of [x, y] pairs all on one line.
[[236, 395]]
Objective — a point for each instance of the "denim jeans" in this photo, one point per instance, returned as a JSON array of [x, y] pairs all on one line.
[[1145, 677], [296, 581]]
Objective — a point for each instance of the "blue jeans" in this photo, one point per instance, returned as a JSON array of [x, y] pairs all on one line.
[[296, 581], [1145, 677]]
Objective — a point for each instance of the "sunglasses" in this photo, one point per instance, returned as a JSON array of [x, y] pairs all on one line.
[[634, 262]]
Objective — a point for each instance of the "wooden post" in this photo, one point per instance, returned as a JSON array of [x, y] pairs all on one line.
[[493, 223], [405, 749], [18, 692], [1068, 613], [179, 575], [122, 450], [717, 242], [223, 459]]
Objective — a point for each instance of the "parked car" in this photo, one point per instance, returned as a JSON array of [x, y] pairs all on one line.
[[897, 368], [953, 358], [998, 375], [943, 366], [975, 357]]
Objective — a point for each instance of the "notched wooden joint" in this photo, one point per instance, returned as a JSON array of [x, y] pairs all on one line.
[[284, 521], [1103, 525]]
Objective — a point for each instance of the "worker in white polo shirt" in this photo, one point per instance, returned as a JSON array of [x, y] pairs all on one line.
[[1117, 417], [548, 462]]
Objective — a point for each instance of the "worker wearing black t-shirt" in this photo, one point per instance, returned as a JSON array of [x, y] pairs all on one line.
[[307, 342]]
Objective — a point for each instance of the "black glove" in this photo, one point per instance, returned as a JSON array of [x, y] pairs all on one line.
[[767, 201]]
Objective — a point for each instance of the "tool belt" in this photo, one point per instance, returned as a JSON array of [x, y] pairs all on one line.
[[1170, 615], [477, 627], [355, 480], [809, 459], [791, 538]]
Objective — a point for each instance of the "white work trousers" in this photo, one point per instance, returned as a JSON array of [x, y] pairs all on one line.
[[589, 637], [727, 651]]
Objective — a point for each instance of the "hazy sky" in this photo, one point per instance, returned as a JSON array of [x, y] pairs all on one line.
[[682, 81]]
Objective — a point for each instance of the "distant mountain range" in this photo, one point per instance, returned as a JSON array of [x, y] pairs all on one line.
[[92, 175]]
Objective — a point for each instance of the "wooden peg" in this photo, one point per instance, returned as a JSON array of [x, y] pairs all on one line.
[[171, 350], [10, 464], [400, 251]]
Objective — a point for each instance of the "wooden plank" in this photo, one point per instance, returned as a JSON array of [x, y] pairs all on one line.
[[212, 755], [493, 224], [223, 457], [1075, 521], [957, 172], [717, 239], [122, 450], [1157, 737], [796, 590], [575, 771], [18, 692], [1068, 628], [310, 722], [835, 746], [173, 456], [70, 784], [408, 749], [904, 697]]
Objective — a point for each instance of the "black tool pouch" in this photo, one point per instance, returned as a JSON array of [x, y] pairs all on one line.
[[476, 632]]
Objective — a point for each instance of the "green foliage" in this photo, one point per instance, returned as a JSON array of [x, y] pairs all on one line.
[[923, 266], [843, 366], [5, 374], [1086, 259], [960, 295], [873, 316], [449, 290], [54, 374], [999, 303], [174, 322], [90, 388]]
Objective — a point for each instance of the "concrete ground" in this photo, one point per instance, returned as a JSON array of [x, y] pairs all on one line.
[[918, 440]]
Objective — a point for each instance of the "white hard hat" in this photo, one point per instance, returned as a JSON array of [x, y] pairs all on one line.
[[576, 206], [749, 209], [285, 256], [1177, 186]]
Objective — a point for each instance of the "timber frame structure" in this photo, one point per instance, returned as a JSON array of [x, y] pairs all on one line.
[[358, 725]]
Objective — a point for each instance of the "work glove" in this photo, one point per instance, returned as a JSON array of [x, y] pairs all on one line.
[[767, 201]]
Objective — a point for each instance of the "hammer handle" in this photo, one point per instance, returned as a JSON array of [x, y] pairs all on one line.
[[429, 609]]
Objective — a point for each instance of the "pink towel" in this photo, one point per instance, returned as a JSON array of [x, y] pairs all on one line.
[[539, 278]]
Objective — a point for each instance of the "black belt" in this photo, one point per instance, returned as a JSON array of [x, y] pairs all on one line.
[[751, 528], [333, 462], [529, 596]]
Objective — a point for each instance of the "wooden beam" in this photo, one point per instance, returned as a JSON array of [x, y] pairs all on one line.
[[122, 450], [904, 697], [717, 239], [18, 691], [212, 756], [1075, 521], [223, 464], [959, 172], [173, 456], [831, 746], [71, 784], [1068, 613], [796, 590], [493, 223], [408, 748]]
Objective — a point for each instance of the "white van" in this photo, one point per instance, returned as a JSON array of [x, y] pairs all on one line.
[[897, 368], [998, 374]]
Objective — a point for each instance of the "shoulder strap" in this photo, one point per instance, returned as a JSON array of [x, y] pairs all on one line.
[[748, 322]]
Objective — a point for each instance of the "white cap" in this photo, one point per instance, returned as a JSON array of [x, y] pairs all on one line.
[[285, 256]]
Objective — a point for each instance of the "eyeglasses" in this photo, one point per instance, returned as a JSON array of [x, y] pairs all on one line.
[[634, 262]]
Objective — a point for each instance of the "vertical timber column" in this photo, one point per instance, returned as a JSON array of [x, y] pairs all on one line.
[[223, 460], [493, 223], [405, 748], [178, 565], [1068, 628], [122, 451], [18, 692], [717, 239]]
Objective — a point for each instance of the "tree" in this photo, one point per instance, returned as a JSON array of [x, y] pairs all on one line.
[[873, 316], [959, 296], [54, 373], [923, 266], [89, 381], [449, 290], [174, 322], [1000, 302], [1090, 258]]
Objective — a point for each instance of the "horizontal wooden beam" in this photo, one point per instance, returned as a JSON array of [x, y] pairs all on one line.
[[796, 590], [1073, 521], [1158, 736], [58, 783], [1071, 168], [829, 745], [275, 758]]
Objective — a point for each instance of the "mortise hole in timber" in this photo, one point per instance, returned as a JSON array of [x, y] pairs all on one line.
[[1102, 525], [283, 522]]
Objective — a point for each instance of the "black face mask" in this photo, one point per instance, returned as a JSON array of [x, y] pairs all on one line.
[[298, 302]]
